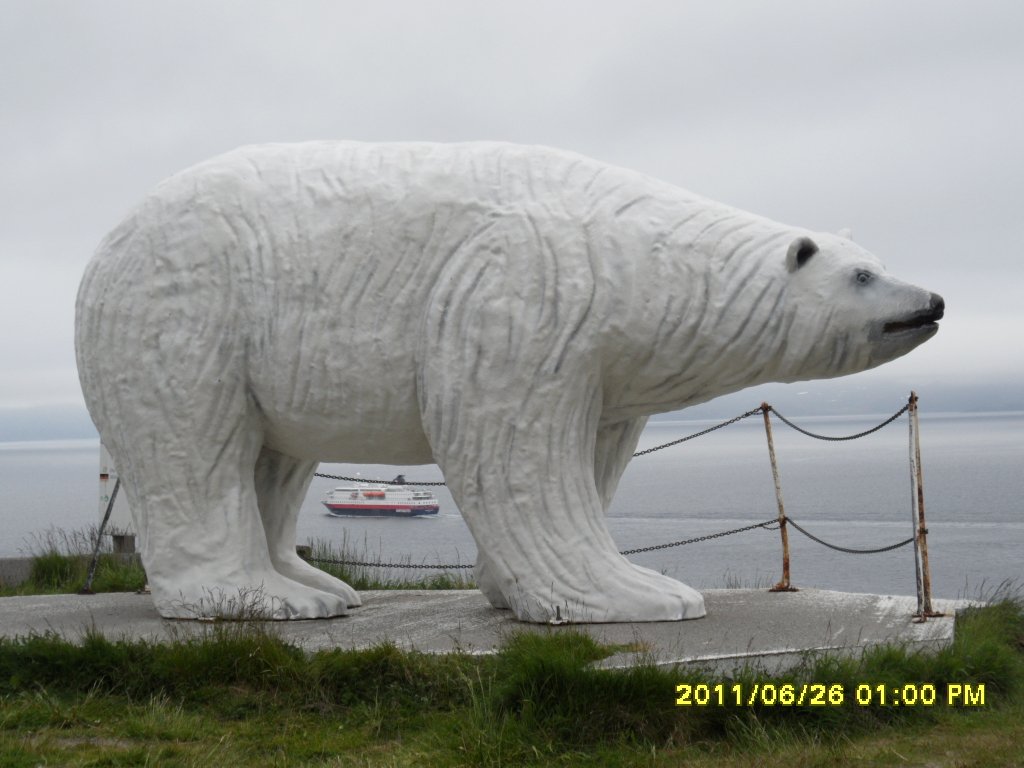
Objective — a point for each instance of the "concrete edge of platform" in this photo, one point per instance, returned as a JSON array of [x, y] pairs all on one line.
[[750, 629], [757, 661]]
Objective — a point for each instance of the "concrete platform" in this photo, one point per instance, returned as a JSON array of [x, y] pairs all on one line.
[[743, 626]]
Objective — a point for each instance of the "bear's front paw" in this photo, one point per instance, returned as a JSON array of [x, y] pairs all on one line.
[[275, 598], [616, 594], [297, 569]]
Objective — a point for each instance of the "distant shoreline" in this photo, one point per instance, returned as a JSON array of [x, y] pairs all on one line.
[[664, 419]]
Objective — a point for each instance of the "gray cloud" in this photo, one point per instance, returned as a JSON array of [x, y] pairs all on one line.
[[900, 120]]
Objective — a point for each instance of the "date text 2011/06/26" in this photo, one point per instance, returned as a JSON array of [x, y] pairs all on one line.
[[828, 695]]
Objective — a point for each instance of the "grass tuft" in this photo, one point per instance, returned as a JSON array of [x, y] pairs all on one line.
[[547, 683]]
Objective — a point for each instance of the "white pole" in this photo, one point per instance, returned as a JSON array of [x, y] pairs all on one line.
[[120, 523]]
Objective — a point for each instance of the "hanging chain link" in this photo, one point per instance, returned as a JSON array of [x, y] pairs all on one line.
[[694, 540], [382, 482], [848, 550], [699, 434], [438, 567], [865, 433]]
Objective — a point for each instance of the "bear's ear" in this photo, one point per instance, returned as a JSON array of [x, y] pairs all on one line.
[[846, 233], [800, 252]]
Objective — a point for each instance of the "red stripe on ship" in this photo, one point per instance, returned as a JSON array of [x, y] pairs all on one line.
[[362, 507]]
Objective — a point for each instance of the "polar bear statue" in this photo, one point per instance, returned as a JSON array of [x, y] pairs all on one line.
[[512, 313]]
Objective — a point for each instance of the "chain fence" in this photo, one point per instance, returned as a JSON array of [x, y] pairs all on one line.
[[450, 566], [832, 438], [772, 524], [703, 432], [696, 539], [848, 550], [364, 564], [379, 482]]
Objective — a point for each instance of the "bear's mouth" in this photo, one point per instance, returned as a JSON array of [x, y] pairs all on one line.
[[920, 321]]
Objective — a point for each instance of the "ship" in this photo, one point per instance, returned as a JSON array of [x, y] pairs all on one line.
[[394, 499]]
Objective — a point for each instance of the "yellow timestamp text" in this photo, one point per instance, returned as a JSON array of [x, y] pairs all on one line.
[[771, 694]]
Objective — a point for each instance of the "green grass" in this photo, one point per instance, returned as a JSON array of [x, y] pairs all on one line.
[[240, 696], [61, 560]]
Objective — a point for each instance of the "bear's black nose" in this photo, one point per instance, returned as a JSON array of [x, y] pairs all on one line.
[[937, 306]]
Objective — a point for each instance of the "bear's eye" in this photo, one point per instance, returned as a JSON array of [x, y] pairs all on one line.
[[863, 278]]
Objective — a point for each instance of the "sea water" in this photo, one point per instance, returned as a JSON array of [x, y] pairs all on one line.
[[854, 494]]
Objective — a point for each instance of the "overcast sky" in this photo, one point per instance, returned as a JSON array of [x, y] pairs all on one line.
[[901, 120]]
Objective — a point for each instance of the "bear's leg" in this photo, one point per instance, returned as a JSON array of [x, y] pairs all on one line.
[[488, 583], [613, 451], [524, 477], [189, 466], [163, 344], [281, 485], [206, 552], [615, 447]]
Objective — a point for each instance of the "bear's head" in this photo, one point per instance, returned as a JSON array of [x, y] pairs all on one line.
[[847, 314]]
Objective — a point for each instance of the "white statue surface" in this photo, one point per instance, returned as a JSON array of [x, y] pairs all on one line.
[[512, 313]]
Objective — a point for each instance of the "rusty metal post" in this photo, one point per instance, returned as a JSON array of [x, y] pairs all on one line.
[[923, 571], [783, 585]]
